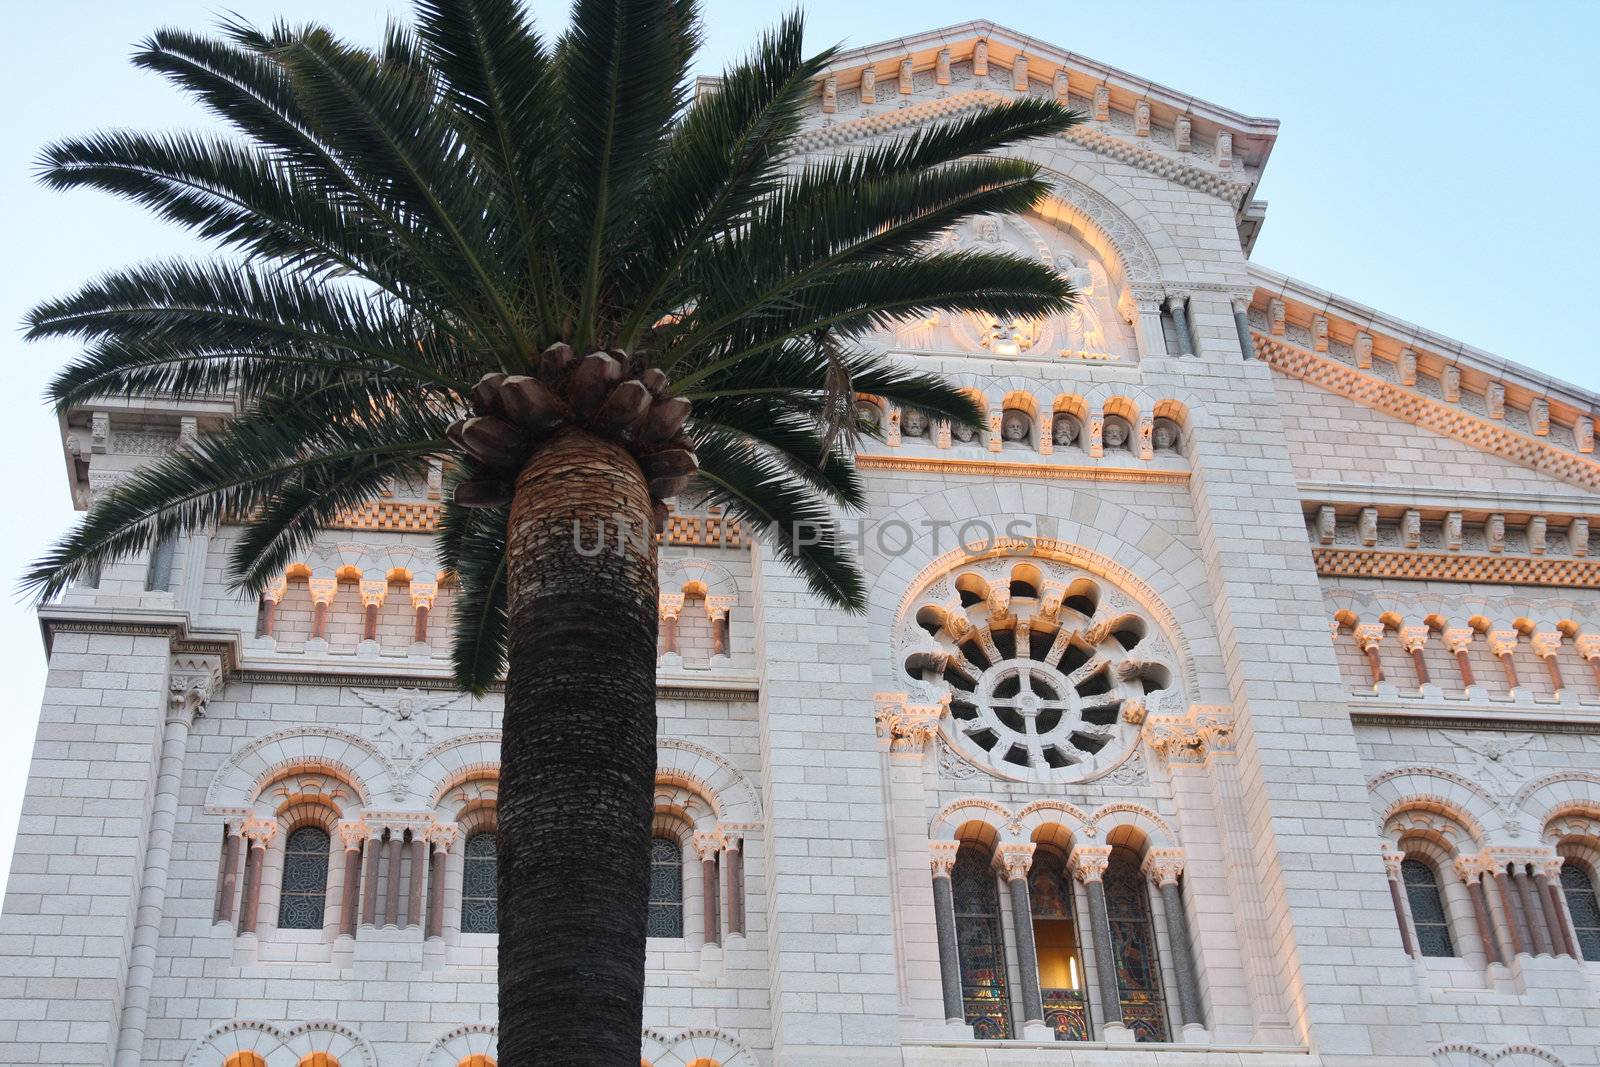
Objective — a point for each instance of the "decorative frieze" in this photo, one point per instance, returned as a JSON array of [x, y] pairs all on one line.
[[1436, 567]]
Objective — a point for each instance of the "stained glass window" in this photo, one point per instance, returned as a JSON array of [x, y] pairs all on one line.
[[477, 885], [1427, 908], [305, 879], [980, 944], [666, 889], [1055, 938], [1584, 907], [1133, 943]]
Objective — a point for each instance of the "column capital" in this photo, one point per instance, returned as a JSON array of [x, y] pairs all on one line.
[[1500, 855], [1503, 642], [322, 589], [942, 857], [1089, 862], [1369, 635], [354, 835], [1015, 859], [1192, 737], [1393, 860], [191, 681], [669, 605], [717, 607], [423, 594], [1545, 643], [1163, 865], [1471, 868], [1174, 299], [1459, 639], [1413, 638], [259, 831], [707, 843], [372, 593], [1588, 645], [275, 590], [907, 727], [441, 835]]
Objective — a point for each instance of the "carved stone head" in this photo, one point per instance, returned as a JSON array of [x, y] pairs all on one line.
[[1063, 429], [914, 423], [1115, 434], [1165, 435], [962, 432], [1014, 425], [869, 413]]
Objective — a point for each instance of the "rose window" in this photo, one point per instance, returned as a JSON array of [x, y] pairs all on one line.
[[1045, 669]]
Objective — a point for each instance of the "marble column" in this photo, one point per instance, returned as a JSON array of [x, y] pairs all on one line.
[[1177, 306], [1164, 866], [233, 846], [267, 617], [372, 850], [733, 873], [1089, 863], [1014, 861], [1547, 878], [707, 845], [422, 597], [354, 835], [668, 609], [322, 594], [1511, 908], [1472, 870], [1392, 864], [1532, 912], [258, 832], [391, 863], [440, 837], [372, 594], [1241, 323], [942, 857], [419, 863]]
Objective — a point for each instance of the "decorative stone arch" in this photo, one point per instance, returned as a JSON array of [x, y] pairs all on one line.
[[282, 1047], [1155, 830], [688, 1047], [447, 764], [1429, 789], [1564, 793], [1054, 818], [322, 748], [947, 824], [1153, 581], [474, 1039], [1463, 1054], [688, 763], [712, 579]]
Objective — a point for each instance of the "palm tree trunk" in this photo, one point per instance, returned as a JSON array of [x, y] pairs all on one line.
[[578, 758]]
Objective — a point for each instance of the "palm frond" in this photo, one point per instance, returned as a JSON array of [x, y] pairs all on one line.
[[472, 545]]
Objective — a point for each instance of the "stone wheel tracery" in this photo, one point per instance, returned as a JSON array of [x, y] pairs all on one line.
[[1045, 670]]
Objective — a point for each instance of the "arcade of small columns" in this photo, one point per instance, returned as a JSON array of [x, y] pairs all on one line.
[[670, 611], [1505, 644], [721, 855], [324, 591], [1525, 915], [1088, 863]]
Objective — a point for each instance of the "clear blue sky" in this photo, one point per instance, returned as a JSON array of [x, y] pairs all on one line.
[[1436, 160]]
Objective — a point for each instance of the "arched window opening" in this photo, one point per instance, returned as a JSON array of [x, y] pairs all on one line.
[[666, 888], [478, 897], [318, 1059], [305, 880], [1133, 943], [980, 944], [1584, 907], [1428, 917], [1055, 936], [244, 1059]]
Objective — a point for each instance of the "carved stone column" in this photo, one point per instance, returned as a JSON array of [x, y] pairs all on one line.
[[372, 594], [1472, 870], [1177, 306], [1164, 866], [228, 864], [322, 594], [372, 850], [1531, 909], [422, 597], [271, 597], [391, 863], [259, 832], [1547, 877], [941, 858], [1504, 645], [1368, 637], [733, 874], [1014, 861], [717, 610], [1392, 864], [1241, 323], [354, 835], [1089, 863], [1147, 325], [707, 845], [1414, 639], [440, 838], [1510, 908], [419, 865], [190, 681], [1547, 646], [1458, 641], [668, 609]]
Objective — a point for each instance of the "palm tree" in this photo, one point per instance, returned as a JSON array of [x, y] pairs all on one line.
[[585, 293]]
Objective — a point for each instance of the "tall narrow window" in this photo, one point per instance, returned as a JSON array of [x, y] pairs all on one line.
[[1584, 907], [478, 897], [1055, 934], [305, 880], [1427, 908], [980, 944], [666, 888], [1133, 942]]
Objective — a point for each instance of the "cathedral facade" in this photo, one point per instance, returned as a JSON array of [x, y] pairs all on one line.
[[1233, 698]]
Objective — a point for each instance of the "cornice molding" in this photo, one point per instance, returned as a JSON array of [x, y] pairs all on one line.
[[397, 516], [1402, 403], [1562, 722], [1333, 562], [1224, 187], [1473, 502], [990, 468], [440, 683]]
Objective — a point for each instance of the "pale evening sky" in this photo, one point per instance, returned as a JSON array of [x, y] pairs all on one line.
[[1436, 160]]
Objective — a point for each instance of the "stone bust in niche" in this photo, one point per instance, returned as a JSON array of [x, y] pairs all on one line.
[[1115, 434], [1063, 429], [1164, 436], [914, 423], [1014, 426], [869, 414], [962, 432]]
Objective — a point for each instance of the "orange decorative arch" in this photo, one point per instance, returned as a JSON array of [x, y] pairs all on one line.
[[319, 1059], [245, 1059], [477, 1059]]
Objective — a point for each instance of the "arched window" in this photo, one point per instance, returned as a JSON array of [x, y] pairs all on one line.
[[1055, 935], [318, 1059], [305, 879], [666, 888], [1427, 908], [478, 885], [980, 944], [244, 1059], [1584, 907], [1133, 942]]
